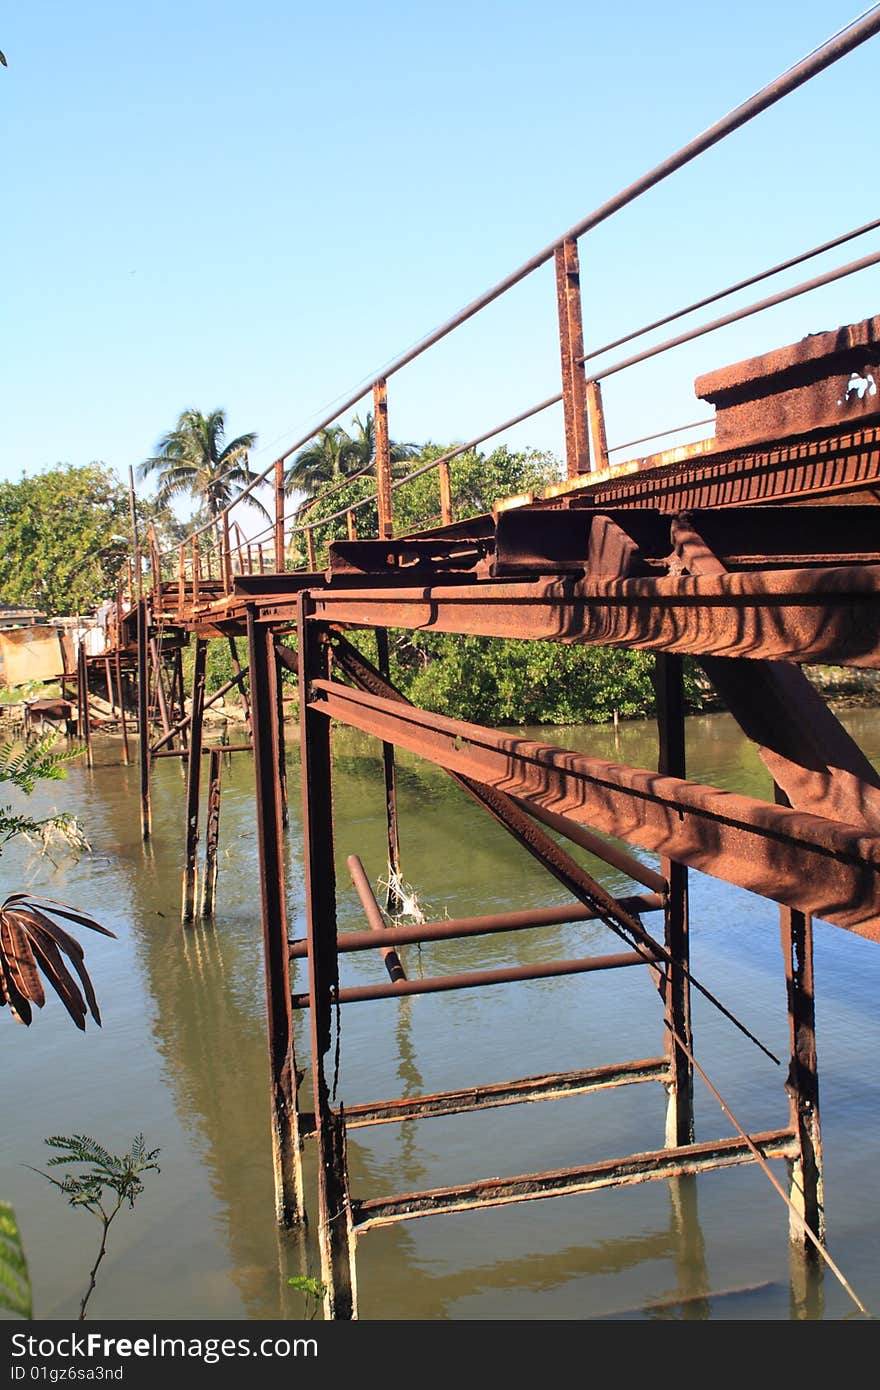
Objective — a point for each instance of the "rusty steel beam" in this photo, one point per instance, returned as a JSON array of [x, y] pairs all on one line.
[[374, 916], [669, 688], [552, 1086], [830, 615], [286, 1139], [475, 979], [803, 861], [335, 1235], [595, 845], [644, 1167], [453, 928]]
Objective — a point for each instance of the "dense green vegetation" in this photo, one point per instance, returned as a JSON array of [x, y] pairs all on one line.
[[65, 538]]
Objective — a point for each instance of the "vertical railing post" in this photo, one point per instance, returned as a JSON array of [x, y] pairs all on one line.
[[310, 549], [336, 1236], [286, 1146], [181, 581], [669, 686], [445, 493], [383, 460], [195, 572], [571, 345], [135, 538], [586, 447], [143, 675], [279, 516], [226, 554], [351, 525]]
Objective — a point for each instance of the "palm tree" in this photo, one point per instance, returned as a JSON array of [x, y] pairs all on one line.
[[334, 455], [192, 459]]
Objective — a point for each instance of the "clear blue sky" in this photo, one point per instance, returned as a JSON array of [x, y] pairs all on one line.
[[254, 206]]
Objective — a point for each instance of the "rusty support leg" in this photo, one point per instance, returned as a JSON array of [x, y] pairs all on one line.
[[393, 901], [281, 749], [802, 1085], [335, 1231], [144, 716], [190, 864], [669, 685], [286, 1144], [120, 694], [212, 835], [311, 560]]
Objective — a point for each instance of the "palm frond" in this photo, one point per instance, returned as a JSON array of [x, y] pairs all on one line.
[[31, 942]]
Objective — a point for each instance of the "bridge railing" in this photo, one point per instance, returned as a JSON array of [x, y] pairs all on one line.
[[203, 568]]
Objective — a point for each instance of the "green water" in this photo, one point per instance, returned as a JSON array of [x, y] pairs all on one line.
[[182, 1057]]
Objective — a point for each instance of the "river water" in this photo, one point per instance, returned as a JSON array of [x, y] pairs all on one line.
[[182, 1058]]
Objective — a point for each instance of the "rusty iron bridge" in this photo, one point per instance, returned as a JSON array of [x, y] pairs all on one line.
[[755, 551]]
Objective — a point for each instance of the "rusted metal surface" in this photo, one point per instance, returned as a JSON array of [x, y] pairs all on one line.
[[143, 678], [335, 1238], [193, 782], [551, 1086], [286, 1144], [594, 844], [672, 762], [493, 1192], [571, 345], [825, 379], [478, 979], [212, 834], [816, 616], [451, 928], [383, 460], [374, 916], [804, 861]]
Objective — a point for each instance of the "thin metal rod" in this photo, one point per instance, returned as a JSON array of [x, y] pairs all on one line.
[[770, 1174], [373, 914], [661, 434], [731, 289], [803, 288], [474, 979], [453, 928]]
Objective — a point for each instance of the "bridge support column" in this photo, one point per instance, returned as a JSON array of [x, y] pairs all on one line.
[[669, 686], [284, 1080], [144, 716], [336, 1236], [193, 781]]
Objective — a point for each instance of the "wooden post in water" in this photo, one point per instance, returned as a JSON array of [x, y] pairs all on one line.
[[194, 770], [144, 717]]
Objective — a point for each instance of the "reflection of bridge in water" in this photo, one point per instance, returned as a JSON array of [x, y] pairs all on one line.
[[754, 552]]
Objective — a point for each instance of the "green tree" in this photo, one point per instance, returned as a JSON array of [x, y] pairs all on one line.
[[193, 460], [64, 538]]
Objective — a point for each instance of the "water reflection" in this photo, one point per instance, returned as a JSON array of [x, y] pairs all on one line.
[[185, 1022]]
